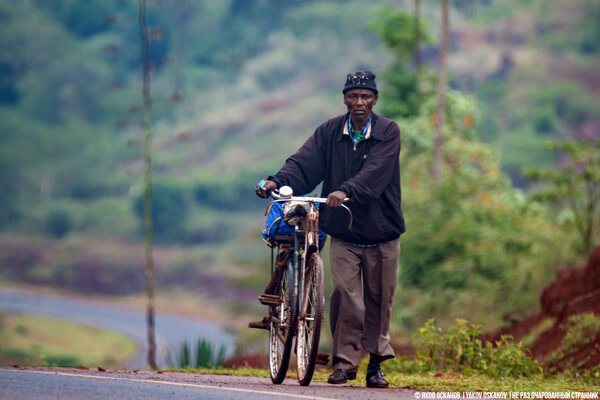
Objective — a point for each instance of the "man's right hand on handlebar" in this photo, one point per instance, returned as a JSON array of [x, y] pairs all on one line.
[[335, 199], [264, 188]]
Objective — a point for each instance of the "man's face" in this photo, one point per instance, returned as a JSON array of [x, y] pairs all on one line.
[[360, 102]]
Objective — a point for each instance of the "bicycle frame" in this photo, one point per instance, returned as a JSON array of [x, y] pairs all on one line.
[[309, 226], [298, 313]]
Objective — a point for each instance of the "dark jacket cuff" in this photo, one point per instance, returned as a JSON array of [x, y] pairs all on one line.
[[278, 182], [346, 189]]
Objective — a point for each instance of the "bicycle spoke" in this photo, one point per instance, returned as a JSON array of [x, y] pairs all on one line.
[[280, 335], [309, 321]]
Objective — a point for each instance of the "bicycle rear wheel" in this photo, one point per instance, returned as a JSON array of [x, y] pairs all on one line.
[[281, 332], [309, 319]]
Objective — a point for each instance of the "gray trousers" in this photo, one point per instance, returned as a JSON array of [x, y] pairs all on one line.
[[364, 282]]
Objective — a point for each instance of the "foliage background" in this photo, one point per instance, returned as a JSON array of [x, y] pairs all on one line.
[[237, 86]]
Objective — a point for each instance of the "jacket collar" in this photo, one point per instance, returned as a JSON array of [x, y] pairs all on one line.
[[370, 131]]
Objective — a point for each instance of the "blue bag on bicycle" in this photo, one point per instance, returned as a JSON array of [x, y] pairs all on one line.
[[276, 226]]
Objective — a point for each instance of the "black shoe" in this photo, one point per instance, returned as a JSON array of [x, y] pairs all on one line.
[[340, 376], [375, 379]]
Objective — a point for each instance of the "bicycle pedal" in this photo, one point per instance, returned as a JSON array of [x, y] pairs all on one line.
[[322, 358], [263, 324], [258, 325], [270, 299]]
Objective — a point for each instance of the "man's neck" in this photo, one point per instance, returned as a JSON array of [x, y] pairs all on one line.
[[358, 123]]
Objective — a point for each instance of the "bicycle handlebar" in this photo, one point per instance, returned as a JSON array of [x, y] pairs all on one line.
[[280, 197]]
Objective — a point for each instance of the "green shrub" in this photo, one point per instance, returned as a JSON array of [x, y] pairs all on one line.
[[59, 222], [460, 350], [472, 234], [170, 207]]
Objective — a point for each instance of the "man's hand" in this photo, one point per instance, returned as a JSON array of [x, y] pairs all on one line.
[[335, 199], [264, 188]]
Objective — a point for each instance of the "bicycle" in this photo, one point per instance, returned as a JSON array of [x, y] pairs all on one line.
[[295, 294]]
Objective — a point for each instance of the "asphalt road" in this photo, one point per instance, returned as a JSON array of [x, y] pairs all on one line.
[[65, 384], [171, 330]]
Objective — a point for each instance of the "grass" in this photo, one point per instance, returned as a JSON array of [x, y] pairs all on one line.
[[440, 382], [205, 355], [27, 340]]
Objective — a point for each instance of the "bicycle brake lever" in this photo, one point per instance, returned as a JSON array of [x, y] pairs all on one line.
[[351, 217]]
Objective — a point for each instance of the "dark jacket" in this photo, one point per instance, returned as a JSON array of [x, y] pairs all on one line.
[[369, 173]]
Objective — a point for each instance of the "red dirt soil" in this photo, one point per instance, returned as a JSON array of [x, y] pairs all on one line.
[[576, 290]]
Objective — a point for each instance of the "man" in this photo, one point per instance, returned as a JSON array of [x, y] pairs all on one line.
[[356, 156]]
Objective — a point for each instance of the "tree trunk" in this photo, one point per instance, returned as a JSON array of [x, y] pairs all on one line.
[[418, 60], [441, 93], [149, 270]]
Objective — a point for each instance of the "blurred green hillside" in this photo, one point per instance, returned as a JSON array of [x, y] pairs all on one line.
[[237, 86]]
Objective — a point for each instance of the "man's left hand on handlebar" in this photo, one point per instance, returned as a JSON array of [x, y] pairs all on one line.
[[335, 199], [264, 188]]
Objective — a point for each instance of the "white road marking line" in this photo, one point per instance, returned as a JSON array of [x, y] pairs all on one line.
[[274, 393]]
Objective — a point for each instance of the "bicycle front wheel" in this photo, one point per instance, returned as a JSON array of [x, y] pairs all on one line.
[[281, 332], [310, 317]]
